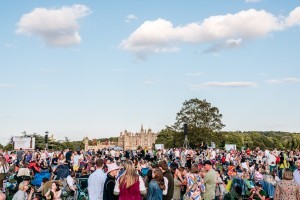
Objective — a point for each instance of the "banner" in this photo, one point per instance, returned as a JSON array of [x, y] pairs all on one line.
[[27, 143], [159, 146]]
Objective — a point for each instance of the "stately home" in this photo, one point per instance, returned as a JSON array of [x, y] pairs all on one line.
[[145, 139]]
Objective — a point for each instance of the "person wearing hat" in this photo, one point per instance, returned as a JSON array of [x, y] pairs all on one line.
[[209, 181], [109, 185]]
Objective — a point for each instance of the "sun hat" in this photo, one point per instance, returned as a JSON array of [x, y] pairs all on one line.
[[111, 167]]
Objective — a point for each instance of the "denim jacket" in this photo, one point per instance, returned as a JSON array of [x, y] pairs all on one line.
[[154, 191]]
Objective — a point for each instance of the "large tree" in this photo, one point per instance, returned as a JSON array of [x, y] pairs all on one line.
[[203, 121]]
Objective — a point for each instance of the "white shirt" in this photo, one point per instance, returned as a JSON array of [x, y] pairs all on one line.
[[96, 185], [76, 160], [165, 191], [70, 182]]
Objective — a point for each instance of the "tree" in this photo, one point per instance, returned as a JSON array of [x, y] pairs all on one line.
[[199, 114], [203, 121]]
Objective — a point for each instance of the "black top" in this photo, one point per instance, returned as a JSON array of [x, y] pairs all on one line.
[[109, 185], [170, 192]]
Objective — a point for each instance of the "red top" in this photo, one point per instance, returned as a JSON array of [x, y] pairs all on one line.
[[131, 193]]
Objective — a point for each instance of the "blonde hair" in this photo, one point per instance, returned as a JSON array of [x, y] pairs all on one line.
[[130, 176], [22, 186]]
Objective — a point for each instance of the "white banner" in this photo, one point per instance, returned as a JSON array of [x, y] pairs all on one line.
[[159, 146], [24, 143]]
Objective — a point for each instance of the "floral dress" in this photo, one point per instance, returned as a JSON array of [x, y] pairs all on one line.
[[195, 186], [287, 189]]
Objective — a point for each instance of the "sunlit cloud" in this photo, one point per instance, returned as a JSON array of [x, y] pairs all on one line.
[[223, 85], [220, 32], [57, 27], [288, 80], [130, 18]]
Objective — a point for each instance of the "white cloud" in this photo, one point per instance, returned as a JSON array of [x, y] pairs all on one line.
[[293, 18], [252, 1], [58, 27], [222, 85], [194, 74], [228, 44], [7, 85], [221, 31], [149, 82], [288, 80], [130, 18]]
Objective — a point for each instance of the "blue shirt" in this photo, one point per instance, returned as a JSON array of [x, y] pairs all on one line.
[[96, 184]]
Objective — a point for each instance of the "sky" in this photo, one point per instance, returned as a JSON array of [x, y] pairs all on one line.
[[96, 68]]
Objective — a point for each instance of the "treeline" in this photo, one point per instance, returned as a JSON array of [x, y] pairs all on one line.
[[251, 139], [94, 141], [55, 145]]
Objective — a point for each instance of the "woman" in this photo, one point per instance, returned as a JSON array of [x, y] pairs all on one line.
[[195, 185], [177, 183], [4, 168], [54, 162], [130, 185], [220, 188], [287, 188], [54, 193], [156, 186]]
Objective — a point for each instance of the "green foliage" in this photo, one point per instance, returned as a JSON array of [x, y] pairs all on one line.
[[204, 124], [55, 145]]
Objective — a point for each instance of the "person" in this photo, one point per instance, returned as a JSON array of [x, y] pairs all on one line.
[[163, 165], [156, 186], [287, 188], [2, 196], [109, 185], [257, 192], [96, 181], [21, 194], [220, 188], [75, 160], [209, 181], [4, 168], [20, 155], [72, 184], [194, 184], [296, 173], [54, 193], [130, 185], [177, 183]]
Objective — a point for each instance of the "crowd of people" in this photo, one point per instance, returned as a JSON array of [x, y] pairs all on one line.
[[163, 174]]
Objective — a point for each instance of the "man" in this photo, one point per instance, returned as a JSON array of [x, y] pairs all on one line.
[[96, 182], [109, 185], [209, 181], [20, 155], [296, 173], [72, 184], [68, 155], [163, 165], [75, 161]]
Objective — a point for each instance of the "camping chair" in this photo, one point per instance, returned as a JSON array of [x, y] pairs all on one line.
[[82, 187]]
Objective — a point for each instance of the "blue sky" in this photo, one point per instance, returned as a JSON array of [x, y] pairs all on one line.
[[96, 68]]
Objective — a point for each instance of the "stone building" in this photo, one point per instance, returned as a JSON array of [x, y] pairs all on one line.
[[100, 145], [145, 139]]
